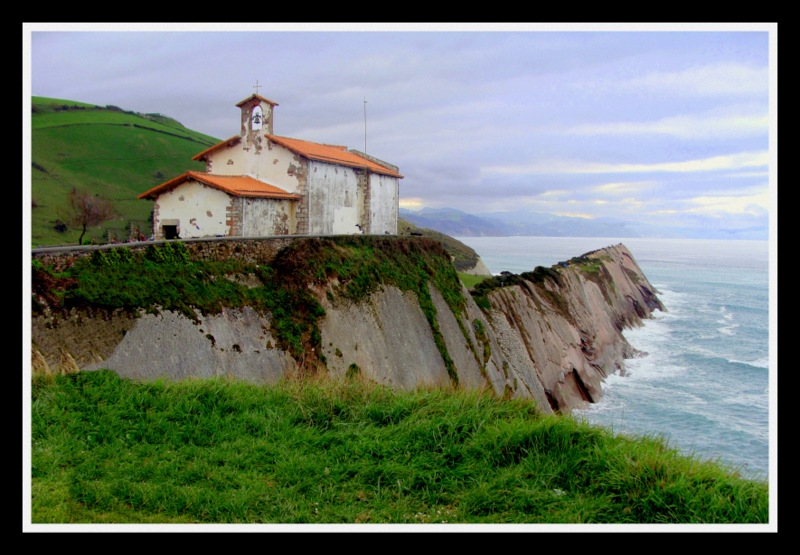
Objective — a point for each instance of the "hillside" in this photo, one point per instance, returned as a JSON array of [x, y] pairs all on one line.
[[110, 152], [464, 258], [454, 222]]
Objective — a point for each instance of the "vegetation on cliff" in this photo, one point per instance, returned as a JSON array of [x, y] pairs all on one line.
[[464, 257], [537, 278], [108, 450], [289, 289]]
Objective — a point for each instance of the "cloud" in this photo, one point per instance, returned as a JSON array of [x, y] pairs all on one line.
[[412, 203], [753, 202], [555, 194], [705, 126], [725, 79], [624, 188], [574, 215], [714, 163]]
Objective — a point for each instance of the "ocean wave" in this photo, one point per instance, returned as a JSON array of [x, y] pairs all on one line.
[[654, 330], [758, 363], [727, 317], [740, 422], [670, 296], [728, 330], [612, 380], [746, 406], [652, 368], [710, 358]]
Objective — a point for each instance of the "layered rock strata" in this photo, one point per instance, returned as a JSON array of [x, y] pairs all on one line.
[[554, 340]]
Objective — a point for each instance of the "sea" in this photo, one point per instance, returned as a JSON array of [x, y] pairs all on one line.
[[707, 385]]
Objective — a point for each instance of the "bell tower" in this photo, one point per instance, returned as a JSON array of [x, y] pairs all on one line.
[[257, 114]]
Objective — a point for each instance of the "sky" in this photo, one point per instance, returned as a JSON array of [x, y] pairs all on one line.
[[671, 125]]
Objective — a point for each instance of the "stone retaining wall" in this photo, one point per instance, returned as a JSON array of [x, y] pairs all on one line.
[[252, 250]]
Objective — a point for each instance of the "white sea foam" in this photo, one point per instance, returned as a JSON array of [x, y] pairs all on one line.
[[728, 326], [758, 363], [655, 330], [705, 379]]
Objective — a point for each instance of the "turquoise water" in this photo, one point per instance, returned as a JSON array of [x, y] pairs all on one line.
[[705, 384]]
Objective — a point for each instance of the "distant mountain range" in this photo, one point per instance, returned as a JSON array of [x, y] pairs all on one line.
[[538, 224]]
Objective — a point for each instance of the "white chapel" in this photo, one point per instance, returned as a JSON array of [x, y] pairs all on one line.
[[259, 184]]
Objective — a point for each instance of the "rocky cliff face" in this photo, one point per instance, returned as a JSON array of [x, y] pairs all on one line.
[[552, 336], [559, 340]]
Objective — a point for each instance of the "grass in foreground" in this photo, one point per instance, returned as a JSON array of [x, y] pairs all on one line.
[[107, 450]]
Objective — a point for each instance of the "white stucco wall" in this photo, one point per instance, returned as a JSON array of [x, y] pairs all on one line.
[[384, 198], [333, 200], [277, 166], [199, 209], [264, 217]]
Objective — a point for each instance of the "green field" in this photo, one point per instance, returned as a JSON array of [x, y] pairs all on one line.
[[109, 152], [107, 450]]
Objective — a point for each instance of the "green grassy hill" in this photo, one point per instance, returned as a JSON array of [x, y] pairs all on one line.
[[110, 152], [464, 257]]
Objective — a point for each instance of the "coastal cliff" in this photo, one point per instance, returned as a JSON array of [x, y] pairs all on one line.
[[388, 310]]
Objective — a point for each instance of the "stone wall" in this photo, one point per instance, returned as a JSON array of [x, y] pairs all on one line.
[[255, 250]]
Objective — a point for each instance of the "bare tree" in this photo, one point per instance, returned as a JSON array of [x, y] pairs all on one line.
[[85, 210]]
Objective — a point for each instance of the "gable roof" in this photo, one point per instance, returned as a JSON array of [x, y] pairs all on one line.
[[331, 153], [224, 144], [258, 96], [236, 185]]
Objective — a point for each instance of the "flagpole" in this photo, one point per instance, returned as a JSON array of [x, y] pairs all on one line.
[[365, 125]]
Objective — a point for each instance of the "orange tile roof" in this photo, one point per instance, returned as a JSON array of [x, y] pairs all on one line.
[[237, 185], [334, 154], [226, 143], [331, 153]]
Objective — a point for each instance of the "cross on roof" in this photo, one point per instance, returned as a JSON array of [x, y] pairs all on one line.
[[257, 86]]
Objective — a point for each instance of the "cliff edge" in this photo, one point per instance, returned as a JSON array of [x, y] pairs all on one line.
[[388, 310]]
